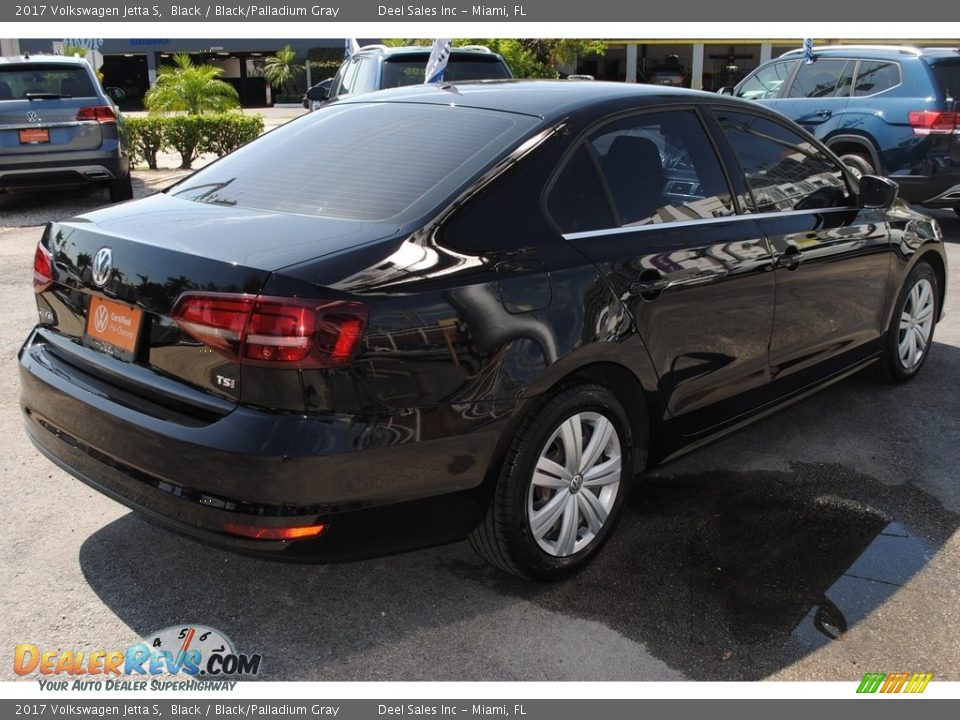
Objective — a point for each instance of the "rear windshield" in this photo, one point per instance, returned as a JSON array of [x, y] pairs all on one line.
[[947, 75], [360, 161], [26, 81], [409, 69]]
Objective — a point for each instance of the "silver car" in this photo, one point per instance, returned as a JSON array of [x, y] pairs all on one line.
[[59, 128]]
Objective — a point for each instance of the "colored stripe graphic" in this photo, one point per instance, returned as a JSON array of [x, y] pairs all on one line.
[[895, 682]]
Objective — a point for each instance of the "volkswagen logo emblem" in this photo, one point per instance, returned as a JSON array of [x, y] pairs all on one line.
[[100, 318], [33, 117], [102, 265]]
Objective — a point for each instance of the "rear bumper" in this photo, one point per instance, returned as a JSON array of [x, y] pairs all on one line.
[[263, 470], [62, 169]]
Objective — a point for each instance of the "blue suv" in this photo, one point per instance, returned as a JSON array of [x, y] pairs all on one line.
[[884, 110]]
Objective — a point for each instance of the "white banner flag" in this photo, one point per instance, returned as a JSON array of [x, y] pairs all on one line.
[[438, 61]]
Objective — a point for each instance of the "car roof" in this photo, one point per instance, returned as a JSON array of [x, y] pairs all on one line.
[[44, 59], [539, 98], [885, 52]]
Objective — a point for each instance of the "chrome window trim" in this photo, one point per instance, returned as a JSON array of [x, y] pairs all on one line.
[[627, 229]]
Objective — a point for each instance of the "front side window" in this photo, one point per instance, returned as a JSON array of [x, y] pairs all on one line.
[[765, 84], [349, 76], [874, 77], [783, 170], [823, 78], [660, 167]]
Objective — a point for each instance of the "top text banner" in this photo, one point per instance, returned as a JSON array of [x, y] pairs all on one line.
[[461, 11]]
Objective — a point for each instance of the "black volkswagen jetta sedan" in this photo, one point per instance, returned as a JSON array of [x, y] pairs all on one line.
[[475, 310]]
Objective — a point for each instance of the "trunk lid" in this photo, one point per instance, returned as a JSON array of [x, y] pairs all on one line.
[[46, 97], [160, 247]]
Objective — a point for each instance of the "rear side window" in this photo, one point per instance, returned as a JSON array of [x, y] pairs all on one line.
[[947, 75], [783, 170], [360, 161], [660, 167], [38, 81], [874, 77], [766, 83], [577, 201], [406, 70], [823, 78]]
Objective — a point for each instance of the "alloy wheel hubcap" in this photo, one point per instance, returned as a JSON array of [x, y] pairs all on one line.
[[575, 484], [916, 324]]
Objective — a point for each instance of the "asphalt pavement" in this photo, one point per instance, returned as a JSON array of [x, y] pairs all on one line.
[[817, 544]]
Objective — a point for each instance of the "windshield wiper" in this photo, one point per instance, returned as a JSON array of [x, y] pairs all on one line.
[[44, 96]]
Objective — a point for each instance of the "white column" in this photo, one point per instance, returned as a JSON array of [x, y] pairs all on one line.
[[632, 63], [696, 72], [766, 52], [9, 47]]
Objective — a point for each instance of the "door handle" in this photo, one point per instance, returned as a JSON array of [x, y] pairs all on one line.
[[823, 113], [789, 259]]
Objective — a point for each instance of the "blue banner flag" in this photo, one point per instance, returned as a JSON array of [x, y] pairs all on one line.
[[808, 50]]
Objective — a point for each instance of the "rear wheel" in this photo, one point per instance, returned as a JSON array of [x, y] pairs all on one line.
[[561, 487], [859, 164], [121, 189], [908, 339]]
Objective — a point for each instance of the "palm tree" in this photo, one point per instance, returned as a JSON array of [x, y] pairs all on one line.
[[280, 69], [195, 89]]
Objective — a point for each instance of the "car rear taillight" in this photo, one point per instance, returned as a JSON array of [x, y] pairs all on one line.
[[931, 122], [273, 331], [42, 269], [101, 113]]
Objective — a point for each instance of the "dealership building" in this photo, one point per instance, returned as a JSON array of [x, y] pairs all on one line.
[[131, 64]]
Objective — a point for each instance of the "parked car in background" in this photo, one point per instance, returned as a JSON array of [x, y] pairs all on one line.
[[892, 111], [557, 284], [59, 128], [378, 67]]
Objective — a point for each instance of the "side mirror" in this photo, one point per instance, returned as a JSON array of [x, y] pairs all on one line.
[[725, 90], [877, 192], [114, 93], [317, 93]]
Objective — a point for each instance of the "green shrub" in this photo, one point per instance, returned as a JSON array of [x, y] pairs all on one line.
[[190, 135], [147, 138], [225, 133]]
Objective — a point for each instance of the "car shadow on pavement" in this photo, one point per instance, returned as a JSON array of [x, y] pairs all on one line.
[[721, 568]]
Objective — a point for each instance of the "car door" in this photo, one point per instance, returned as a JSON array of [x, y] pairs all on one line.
[[661, 225], [832, 257], [818, 94]]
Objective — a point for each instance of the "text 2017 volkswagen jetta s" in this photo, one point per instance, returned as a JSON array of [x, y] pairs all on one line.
[[475, 310]]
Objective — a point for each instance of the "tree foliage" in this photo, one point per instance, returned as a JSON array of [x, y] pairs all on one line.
[[190, 88], [281, 69], [531, 58]]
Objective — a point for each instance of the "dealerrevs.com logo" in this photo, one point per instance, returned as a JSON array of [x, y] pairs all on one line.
[[203, 657]]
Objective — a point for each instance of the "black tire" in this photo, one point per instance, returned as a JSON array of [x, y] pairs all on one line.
[[860, 164], [505, 538], [892, 366], [121, 189]]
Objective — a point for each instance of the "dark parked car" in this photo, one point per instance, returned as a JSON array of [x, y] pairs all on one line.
[[556, 285], [378, 67], [885, 110], [59, 128]]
